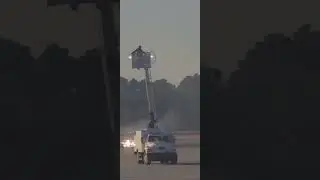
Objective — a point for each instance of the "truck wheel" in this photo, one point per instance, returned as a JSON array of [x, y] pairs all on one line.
[[146, 159], [174, 160], [164, 161], [139, 158]]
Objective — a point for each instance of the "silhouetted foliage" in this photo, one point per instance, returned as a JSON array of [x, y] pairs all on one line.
[[15, 65], [267, 113], [58, 90], [61, 98], [65, 91]]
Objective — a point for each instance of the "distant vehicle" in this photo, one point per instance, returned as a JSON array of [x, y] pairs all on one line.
[[153, 144], [127, 143]]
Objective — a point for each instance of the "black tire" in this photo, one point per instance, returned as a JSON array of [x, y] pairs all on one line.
[[146, 159], [139, 158], [162, 161], [174, 160]]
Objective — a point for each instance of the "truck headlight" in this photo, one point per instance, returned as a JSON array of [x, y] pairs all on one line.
[[148, 149]]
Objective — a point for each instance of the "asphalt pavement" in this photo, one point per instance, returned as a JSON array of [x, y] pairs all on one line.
[[188, 167]]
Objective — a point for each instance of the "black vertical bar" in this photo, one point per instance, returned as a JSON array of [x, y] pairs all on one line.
[[110, 65]]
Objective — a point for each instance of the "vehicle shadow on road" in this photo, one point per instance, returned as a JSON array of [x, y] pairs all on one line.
[[190, 145], [185, 164], [189, 163]]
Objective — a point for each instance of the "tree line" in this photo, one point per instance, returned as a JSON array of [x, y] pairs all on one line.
[[52, 90], [176, 106], [56, 89], [265, 116], [52, 109]]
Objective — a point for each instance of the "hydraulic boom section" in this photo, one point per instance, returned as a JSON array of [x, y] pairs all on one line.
[[142, 60]]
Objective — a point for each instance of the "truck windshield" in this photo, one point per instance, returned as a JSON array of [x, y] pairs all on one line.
[[154, 138], [160, 138], [165, 139]]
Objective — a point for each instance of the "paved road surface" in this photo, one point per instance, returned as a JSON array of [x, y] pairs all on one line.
[[188, 167]]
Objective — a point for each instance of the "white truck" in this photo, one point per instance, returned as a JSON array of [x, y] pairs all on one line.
[[155, 145]]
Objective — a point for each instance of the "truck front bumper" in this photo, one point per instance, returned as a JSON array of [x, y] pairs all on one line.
[[166, 156]]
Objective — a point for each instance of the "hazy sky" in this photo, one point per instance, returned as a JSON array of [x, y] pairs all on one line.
[[170, 28], [32, 23]]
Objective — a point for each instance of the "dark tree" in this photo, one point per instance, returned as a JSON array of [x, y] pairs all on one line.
[[15, 73], [268, 111]]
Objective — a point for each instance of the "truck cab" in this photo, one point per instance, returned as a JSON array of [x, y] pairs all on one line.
[[155, 146]]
